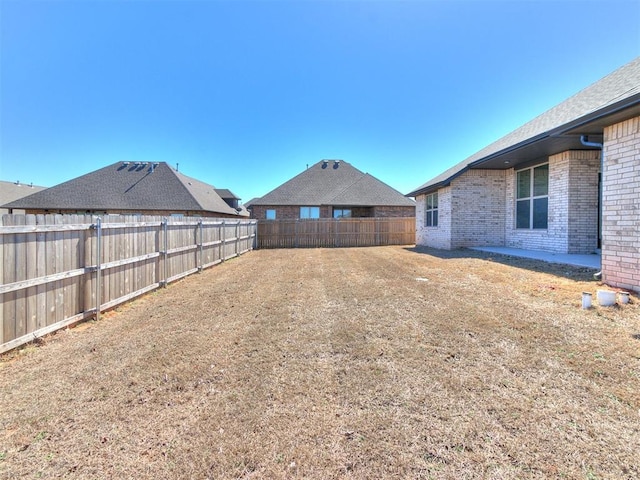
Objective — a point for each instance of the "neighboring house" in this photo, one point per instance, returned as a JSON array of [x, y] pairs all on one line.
[[568, 181], [332, 189], [11, 191], [129, 188]]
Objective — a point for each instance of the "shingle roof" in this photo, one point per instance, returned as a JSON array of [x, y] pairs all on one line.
[[225, 193], [334, 182], [10, 191], [136, 186], [608, 95], [250, 202]]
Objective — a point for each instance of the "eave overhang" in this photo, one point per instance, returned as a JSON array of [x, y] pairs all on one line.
[[541, 147]]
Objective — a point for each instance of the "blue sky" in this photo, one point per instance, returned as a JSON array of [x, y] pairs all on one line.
[[243, 95]]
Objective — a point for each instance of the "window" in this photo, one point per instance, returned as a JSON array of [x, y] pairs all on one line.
[[309, 212], [532, 197], [431, 215], [341, 213], [270, 214]]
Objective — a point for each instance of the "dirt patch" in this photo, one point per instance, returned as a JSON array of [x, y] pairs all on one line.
[[385, 362]]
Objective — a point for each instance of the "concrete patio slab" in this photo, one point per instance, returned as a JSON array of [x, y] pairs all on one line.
[[578, 260]]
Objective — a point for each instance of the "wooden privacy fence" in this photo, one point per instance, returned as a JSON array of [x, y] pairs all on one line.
[[54, 267], [339, 232]]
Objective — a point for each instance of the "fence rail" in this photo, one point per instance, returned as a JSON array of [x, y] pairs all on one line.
[[342, 232], [54, 267]]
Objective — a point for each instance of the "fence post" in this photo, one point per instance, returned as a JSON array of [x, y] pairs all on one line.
[[98, 267], [201, 247], [165, 231], [255, 235], [295, 233]]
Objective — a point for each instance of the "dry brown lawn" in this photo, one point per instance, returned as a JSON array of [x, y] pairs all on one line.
[[364, 363]]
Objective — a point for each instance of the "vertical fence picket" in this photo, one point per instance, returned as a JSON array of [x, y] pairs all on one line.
[[21, 323], [9, 303], [32, 267]]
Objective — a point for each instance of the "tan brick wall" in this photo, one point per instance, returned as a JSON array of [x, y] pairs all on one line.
[[477, 204], [582, 212], [573, 206], [478, 209], [440, 236], [621, 205]]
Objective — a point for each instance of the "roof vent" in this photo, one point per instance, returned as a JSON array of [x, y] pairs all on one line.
[[126, 164], [325, 163], [336, 164]]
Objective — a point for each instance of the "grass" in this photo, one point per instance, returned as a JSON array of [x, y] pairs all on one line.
[[337, 363]]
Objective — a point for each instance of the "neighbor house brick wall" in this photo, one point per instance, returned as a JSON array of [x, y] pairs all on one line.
[[394, 211], [621, 205], [285, 212], [289, 212], [435, 237], [572, 217], [478, 209]]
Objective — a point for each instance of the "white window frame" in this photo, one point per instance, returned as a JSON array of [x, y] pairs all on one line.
[[531, 198], [431, 210]]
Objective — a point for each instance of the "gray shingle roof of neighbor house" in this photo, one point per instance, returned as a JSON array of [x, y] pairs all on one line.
[[250, 202], [226, 193], [135, 186], [11, 191], [334, 182], [611, 99]]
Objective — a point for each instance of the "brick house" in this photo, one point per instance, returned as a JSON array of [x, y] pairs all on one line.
[[133, 188], [11, 191], [568, 182], [332, 189]]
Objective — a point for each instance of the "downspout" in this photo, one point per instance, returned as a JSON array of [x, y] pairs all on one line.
[[584, 139]]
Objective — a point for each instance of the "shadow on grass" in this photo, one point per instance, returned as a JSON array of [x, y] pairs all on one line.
[[583, 274]]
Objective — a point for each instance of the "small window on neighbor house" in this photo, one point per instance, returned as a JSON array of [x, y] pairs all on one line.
[[309, 212], [431, 210], [532, 197], [341, 213], [270, 214]]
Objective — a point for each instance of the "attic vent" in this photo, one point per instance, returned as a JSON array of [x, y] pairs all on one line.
[[126, 164], [325, 163], [336, 164]]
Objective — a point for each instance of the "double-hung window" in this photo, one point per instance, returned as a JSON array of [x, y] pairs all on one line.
[[431, 210], [532, 197], [309, 212]]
